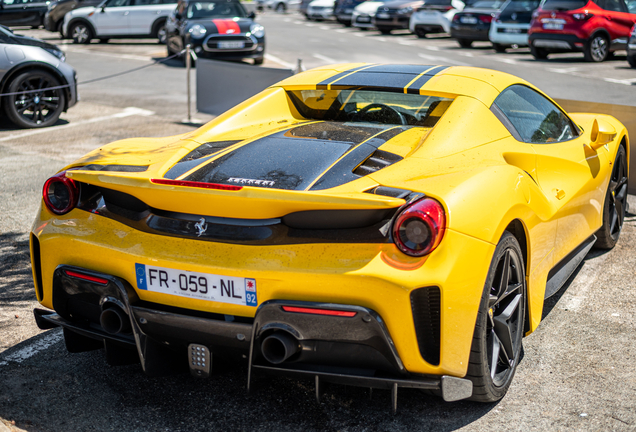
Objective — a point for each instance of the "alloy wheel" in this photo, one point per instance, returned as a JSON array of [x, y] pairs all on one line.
[[598, 48], [35, 102], [80, 33], [618, 196]]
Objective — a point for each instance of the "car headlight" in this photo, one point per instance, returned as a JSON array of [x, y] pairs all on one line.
[[52, 5], [57, 53], [257, 30], [197, 31], [405, 10]]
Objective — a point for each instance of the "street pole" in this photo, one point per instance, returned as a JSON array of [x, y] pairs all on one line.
[[188, 61]]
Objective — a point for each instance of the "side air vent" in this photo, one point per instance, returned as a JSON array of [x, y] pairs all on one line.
[[378, 160], [426, 305]]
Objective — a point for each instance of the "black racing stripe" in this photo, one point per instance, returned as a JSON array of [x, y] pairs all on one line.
[[385, 81], [323, 85], [419, 83], [400, 68]]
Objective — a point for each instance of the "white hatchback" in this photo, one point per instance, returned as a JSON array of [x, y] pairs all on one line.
[[119, 19], [363, 14], [434, 16]]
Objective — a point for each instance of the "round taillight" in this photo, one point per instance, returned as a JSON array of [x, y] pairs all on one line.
[[419, 228], [60, 194]]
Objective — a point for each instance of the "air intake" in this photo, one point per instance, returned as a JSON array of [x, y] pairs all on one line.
[[378, 160], [426, 305]]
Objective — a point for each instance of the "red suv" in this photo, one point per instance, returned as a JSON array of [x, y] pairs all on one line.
[[595, 27]]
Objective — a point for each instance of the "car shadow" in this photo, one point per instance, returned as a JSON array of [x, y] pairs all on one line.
[[7, 126], [16, 283]]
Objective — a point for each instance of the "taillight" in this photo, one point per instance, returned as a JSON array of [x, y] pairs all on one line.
[[60, 194], [456, 18], [419, 228], [485, 18], [447, 8], [582, 16], [535, 14]]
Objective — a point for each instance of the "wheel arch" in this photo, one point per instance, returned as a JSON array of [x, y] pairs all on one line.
[[600, 31], [517, 228], [155, 25], [34, 65], [85, 21]]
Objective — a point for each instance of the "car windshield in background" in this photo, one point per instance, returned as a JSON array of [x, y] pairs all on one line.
[[487, 4], [215, 10], [522, 5], [369, 106], [563, 5], [437, 2]]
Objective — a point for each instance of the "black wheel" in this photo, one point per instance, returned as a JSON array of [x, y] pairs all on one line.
[[160, 32], [596, 49], [34, 106], [104, 40], [615, 204], [81, 33], [59, 29], [496, 346], [632, 61], [385, 31], [538, 53], [259, 61], [499, 47], [281, 8], [465, 43], [420, 33]]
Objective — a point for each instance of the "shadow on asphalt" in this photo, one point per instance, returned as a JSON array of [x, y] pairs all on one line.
[[16, 281]]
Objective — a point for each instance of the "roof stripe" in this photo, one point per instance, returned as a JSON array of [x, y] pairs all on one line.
[[324, 84], [415, 86], [418, 77]]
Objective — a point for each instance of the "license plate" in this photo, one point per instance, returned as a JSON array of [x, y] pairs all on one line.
[[203, 286], [512, 30], [383, 16], [231, 45], [363, 19], [552, 24], [468, 20]]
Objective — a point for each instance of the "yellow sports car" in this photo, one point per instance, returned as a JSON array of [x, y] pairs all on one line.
[[377, 225]]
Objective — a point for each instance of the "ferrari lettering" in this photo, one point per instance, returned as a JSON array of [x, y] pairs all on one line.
[[251, 181]]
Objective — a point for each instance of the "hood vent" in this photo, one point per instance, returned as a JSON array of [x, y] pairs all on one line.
[[378, 160]]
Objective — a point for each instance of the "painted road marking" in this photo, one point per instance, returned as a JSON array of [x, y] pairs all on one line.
[[280, 61], [442, 60], [325, 58], [28, 351]]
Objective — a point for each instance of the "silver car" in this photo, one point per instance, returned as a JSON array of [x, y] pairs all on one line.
[[36, 85]]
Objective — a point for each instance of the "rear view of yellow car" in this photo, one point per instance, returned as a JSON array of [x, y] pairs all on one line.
[[377, 225]]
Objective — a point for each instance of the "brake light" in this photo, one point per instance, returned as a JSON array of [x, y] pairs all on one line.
[[582, 16], [419, 228], [485, 18], [456, 18], [314, 311], [86, 277], [60, 194], [204, 185], [535, 14]]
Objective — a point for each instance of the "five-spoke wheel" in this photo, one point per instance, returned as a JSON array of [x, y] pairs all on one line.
[[597, 49], [615, 204]]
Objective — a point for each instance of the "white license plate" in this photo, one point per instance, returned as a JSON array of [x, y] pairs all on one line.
[[203, 286], [468, 20], [512, 30], [552, 24], [383, 16], [363, 19], [231, 45]]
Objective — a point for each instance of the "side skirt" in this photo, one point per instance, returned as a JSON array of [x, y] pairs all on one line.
[[564, 269]]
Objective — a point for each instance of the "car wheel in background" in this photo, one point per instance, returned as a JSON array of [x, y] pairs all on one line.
[[496, 347], [465, 43], [632, 61], [60, 28], [81, 33], [385, 31], [160, 32], [499, 47], [420, 33], [615, 204], [33, 105], [596, 49], [259, 61], [103, 40], [538, 53], [281, 8]]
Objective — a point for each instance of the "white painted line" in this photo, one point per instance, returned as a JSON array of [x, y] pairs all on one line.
[[127, 112], [564, 70], [406, 42], [504, 60], [280, 61], [442, 60], [381, 39], [360, 34], [621, 81], [466, 54], [32, 349], [325, 58], [342, 31], [310, 25], [106, 54], [432, 48], [287, 20], [325, 28], [299, 22]]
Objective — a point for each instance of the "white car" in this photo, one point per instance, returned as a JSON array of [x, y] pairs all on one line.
[[118, 19], [363, 14], [434, 16], [510, 26], [320, 10], [283, 5]]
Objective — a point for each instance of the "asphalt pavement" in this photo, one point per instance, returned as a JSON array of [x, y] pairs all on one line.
[[577, 371]]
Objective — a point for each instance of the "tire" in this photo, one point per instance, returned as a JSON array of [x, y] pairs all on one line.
[[615, 204], [281, 8], [160, 32], [538, 53], [632, 61], [499, 48], [103, 40], [596, 49], [385, 31], [259, 61], [37, 109], [500, 323], [420, 33], [81, 33], [465, 43], [59, 28]]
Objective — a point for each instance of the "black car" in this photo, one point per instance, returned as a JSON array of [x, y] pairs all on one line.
[[17, 13], [631, 48], [215, 29], [343, 10], [54, 16], [473, 23], [395, 15]]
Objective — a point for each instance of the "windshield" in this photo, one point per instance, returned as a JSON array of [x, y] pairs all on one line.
[[563, 5], [487, 4], [522, 5], [215, 10], [369, 106]]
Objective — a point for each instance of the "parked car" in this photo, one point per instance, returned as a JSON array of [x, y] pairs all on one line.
[[595, 28], [343, 10], [363, 14], [383, 225], [473, 23], [395, 15], [54, 17], [18, 13], [283, 5], [631, 48], [510, 26], [434, 16], [320, 10], [119, 19], [216, 29], [40, 84]]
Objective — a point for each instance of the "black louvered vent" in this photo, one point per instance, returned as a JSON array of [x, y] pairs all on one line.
[[426, 306], [378, 160]]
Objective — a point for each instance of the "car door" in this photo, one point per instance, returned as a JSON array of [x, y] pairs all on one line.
[[143, 14], [618, 21], [568, 171], [21, 12], [113, 18]]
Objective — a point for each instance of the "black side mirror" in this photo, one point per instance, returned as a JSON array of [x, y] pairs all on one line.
[[103, 8], [177, 16], [251, 15]]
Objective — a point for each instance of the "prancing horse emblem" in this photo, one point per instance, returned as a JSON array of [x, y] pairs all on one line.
[[201, 227]]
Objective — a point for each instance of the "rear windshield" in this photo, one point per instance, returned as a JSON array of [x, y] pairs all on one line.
[[563, 5], [522, 5], [487, 4], [437, 2], [369, 106]]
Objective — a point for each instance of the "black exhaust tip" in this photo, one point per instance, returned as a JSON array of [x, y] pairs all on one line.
[[279, 346], [114, 320]]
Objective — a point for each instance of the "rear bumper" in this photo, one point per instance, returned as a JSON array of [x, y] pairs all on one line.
[[509, 34], [473, 33], [556, 42], [393, 23], [352, 350]]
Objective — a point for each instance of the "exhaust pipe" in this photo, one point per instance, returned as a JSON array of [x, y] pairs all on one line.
[[114, 320], [279, 346]]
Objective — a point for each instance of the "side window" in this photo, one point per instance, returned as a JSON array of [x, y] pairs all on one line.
[[117, 3], [631, 6], [613, 5], [146, 2], [535, 118]]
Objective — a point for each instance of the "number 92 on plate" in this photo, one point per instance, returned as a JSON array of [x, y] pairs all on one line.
[[204, 286]]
